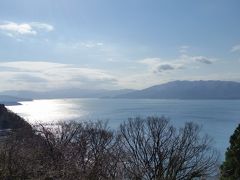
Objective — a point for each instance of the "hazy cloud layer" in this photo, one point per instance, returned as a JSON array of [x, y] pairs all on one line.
[[25, 77], [45, 75]]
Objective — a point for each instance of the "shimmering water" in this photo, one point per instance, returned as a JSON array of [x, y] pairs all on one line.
[[218, 118]]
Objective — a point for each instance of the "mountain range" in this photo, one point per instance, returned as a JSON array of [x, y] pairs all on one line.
[[171, 90], [189, 90], [65, 93]]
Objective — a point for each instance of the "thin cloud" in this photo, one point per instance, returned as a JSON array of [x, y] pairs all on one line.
[[81, 45], [91, 44], [157, 65], [42, 26], [13, 29], [236, 48], [165, 67], [184, 49], [202, 59]]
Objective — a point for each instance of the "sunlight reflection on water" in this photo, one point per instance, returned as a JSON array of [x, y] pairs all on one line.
[[218, 118], [48, 111]]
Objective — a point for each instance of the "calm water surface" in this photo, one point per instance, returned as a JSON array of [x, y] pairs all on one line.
[[218, 118]]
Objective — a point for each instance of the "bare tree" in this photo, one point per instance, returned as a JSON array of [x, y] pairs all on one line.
[[20, 155], [141, 149], [82, 150], [155, 150], [64, 151]]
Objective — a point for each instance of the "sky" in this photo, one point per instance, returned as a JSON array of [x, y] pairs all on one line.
[[116, 44]]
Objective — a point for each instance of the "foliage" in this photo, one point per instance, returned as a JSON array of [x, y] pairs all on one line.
[[230, 169]]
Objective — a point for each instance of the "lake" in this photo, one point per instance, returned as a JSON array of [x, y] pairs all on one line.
[[218, 118]]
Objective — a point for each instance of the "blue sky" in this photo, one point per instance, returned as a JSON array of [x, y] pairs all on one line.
[[48, 44]]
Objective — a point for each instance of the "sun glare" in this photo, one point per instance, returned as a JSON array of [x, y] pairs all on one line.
[[41, 111]]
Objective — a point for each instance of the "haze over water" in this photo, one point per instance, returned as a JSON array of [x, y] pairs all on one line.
[[218, 118]]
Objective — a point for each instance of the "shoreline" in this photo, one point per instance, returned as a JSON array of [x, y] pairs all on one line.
[[11, 103]]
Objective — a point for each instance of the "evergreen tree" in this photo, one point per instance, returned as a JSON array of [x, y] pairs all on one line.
[[230, 169]]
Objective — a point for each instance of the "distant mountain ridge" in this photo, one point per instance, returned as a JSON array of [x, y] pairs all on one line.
[[67, 93], [171, 90], [189, 90]]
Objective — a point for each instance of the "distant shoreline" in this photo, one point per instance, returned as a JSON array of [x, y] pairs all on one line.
[[11, 103], [107, 98]]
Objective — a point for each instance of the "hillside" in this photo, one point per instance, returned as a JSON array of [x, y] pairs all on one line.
[[189, 90], [11, 100], [9, 120]]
